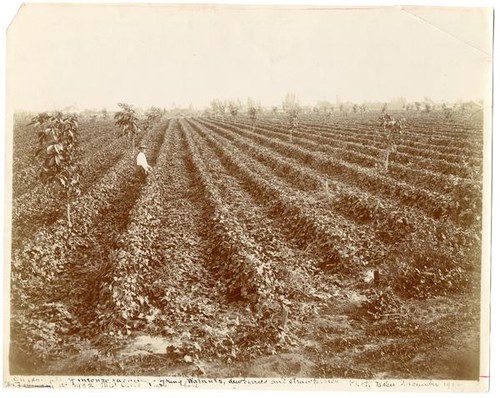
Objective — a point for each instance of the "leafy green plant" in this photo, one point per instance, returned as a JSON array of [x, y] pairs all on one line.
[[234, 108], [293, 121], [392, 128], [381, 302], [218, 107], [292, 108], [153, 116], [127, 120], [427, 275], [252, 112], [447, 112], [57, 149]]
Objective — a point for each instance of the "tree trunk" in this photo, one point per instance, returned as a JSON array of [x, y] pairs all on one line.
[[386, 162], [376, 277], [68, 212], [133, 145], [284, 318]]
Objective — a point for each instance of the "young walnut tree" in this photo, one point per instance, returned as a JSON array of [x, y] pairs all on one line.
[[252, 112], [234, 108], [293, 121], [153, 116], [57, 148], [392, 128], [127, 120], [291, 106]]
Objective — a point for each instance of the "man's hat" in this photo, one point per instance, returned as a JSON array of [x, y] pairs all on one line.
[[142, 146]]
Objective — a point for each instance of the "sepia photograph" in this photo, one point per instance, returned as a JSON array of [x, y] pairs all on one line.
[[248, 196]]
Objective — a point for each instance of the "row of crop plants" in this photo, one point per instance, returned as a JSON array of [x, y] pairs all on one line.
[[458, 126], [39, 257], [376, 148], [445, 257], [392, 221], [431, 178], [354, 202], [341, 244], [368, 134], [262, 229], [370, 152], [463, 210], [418, 133], [236, 257], [44, 265], [123, 304], [293, 291], [189, 307]]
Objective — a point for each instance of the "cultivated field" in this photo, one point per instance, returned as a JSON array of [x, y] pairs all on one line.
[[251, 252]]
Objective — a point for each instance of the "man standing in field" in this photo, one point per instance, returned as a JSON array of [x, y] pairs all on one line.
[[142, 168]]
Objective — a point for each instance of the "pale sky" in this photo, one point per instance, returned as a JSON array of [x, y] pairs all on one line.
[[95, 56]]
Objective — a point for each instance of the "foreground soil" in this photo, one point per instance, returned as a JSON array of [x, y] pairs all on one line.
[[437, 343]]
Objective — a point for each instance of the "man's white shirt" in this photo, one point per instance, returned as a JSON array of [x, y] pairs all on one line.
[[141, 161]]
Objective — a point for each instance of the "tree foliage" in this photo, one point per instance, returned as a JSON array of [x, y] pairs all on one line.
[[324, 107], [57, 149], [291, 106], [290, 102], [234, 108], [252, 113], [393, 128], [153, 116], [127, 120], [218, 107]]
